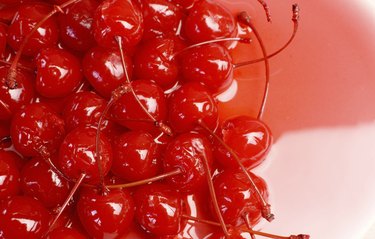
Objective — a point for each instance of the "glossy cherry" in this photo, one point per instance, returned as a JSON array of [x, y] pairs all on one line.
[[118, 18], [188, 105], [3, 38], [103, 69], [136, 156], [65, 233], [23, 217], [186, 153], [208, 64], [249, 138], [158, 209], [184, 3], [106, 215], [9, 175], [27, 16], [58, 73], [127, 112], [39, 180], [208, 20], [161, 18], [37, 129], [77, 155], [76, 25], [236, 197], [12, 100]]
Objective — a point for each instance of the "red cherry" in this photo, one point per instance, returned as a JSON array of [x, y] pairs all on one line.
[[208, 64], [155, 61], [136, 156], [186, 153], [58, 73], [184, 3], [39, 180], [84, 109], [9, 175], [208, 20], [190, 104], [127, 112], [161, 18], [65, 233], [103, 69], [36, 128], [236, 197], [12, 100], [76, 25], [77, 155], [249, 138], [118, 18], [23, 217], [105, 216], [3, 38], [27, 16], [158, 209]]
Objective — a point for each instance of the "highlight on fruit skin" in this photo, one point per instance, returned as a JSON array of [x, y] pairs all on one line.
[[112, 122]]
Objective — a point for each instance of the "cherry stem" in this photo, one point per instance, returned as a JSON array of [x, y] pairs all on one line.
[[146, 181], [116, 94], [246, 218], [12, 73], [163, 127], [295, 19], [240, 39], [266, 10], [259, 233], [266, 208], [245, 18], [65, 204], [19, 65], [213, 193]]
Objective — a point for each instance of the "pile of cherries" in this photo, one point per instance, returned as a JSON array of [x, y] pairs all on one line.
[[109, 120]]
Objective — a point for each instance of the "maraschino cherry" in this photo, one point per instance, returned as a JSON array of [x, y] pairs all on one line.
[[9, 174]]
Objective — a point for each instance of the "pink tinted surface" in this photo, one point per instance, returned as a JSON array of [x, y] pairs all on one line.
[[321, 109]]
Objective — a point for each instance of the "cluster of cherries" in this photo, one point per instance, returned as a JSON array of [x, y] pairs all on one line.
[[109, 120]]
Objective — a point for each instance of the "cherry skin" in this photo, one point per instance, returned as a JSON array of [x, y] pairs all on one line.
[[154, 60], [105, 216], [136, 156], [186, 153], [65, 233], [208, 64], [208, 20], [103, 69], [158, 209], [190, 104], [234, 233], [36, 129], [3, 38], [184, 3], [12, 100], [127, 112], [249, 138], [161, 18], [76, 25], [23, 217], [84, 109], [118, 18], [77, 155], [27, 16], [58, 73], [9, 174], [236, 197], [39, 180]]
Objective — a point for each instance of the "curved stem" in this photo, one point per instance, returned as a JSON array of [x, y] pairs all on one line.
[[266, 208], [266, 10], [146, 181], [163, 127], [65, 204], [245, 18], [295, 19], [19, 65], [12, 73]]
